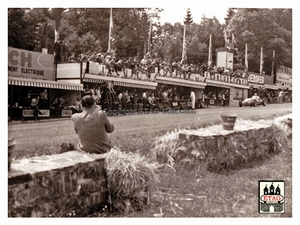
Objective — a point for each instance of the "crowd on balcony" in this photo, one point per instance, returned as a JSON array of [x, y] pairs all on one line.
[[151, 65]]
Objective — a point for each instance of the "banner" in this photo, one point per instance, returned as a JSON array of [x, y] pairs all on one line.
[[44, 113], [226, 78], [29, 64]]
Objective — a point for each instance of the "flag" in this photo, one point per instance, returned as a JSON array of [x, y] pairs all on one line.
[[209, 52], [261, 60], [225, 39], [110, 35], [246, 58], [233, 40], [184, 48], [150, 37]]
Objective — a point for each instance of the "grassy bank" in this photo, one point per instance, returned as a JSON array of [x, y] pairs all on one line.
[[195, 192]]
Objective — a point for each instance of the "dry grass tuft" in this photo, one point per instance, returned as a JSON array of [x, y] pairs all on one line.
[[131, 180]]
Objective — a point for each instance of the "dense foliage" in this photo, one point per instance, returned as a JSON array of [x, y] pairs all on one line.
[[86, 30]]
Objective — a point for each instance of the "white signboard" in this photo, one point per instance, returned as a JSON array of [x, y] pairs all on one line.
[[29, 64]]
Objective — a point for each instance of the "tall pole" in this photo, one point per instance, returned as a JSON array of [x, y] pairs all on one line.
[[246, 58], [184, 56], [261, 60], [273, 59], [209, 52], [272, 72], [57, 17], [150, 37], [110, 30]]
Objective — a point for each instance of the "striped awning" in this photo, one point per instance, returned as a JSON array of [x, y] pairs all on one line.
[[254, 85], [180, 82], [270, 86], [124, 82], [19, 81]]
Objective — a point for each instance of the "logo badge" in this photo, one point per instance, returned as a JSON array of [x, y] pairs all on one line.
[[271, 196]]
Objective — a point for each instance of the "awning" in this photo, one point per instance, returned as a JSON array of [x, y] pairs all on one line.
[[254, 85], [19, 81], [180, 82], [124, 82], [270, 86]]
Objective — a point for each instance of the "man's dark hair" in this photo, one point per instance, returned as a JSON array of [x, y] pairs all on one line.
[[87, 101]]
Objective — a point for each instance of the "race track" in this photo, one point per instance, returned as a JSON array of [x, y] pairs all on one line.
[[41, 134]]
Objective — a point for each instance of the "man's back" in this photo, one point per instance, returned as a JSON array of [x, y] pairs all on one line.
[[92, 127]]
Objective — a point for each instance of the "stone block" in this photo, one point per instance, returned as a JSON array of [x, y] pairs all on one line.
[[54, 185], [234, 149]]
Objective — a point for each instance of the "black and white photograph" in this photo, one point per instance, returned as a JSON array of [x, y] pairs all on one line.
[[150, 110]]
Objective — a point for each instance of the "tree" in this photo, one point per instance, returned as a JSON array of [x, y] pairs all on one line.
[[230, 13], [21, 30], [267, 28], [188, 20]]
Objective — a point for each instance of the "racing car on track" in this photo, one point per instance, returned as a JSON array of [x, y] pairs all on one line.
[[253, 101]]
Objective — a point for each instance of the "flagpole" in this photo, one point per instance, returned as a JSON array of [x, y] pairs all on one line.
[[261, 60], [246, 58], [184, 45], [273, 63], [110, 28], [209, 52], [225, 38], [150, 37]]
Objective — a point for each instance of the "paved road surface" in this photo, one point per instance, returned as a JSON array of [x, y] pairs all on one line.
[[50, 134]]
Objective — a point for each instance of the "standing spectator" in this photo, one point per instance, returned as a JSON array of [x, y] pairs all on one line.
[[35, 106], [124, 99], [61, 102], [87, 90], [144, 97], [92, 126], [120, 95], [280, 96], [28, 101], [193, 99], [110, 86], [165, 99], [151, 100], [44, 99], [77, 105]]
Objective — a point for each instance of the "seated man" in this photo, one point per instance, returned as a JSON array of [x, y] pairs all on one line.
[[255, 96], [92, 126]]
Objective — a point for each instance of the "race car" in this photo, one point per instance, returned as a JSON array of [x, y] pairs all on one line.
[[254, 101]]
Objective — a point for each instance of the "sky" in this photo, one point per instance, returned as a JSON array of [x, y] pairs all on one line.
[[174, 11], [177, 14]]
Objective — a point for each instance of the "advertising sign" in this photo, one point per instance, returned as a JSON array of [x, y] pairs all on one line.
[[29, 64], [225, 78], [44, 113], [257, 79], [283, 80], [27, 113], [66, 112]]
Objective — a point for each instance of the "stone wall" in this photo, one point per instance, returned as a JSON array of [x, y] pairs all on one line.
[[231, 149], [61, 185]]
